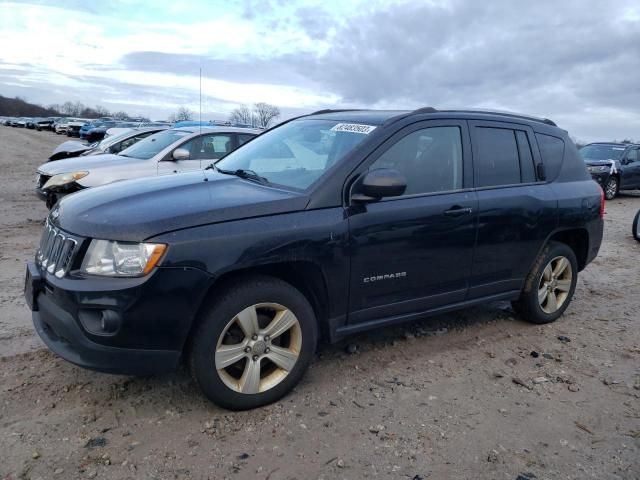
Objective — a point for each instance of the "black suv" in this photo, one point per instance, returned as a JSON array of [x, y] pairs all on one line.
[[615, 166], [329, 224]]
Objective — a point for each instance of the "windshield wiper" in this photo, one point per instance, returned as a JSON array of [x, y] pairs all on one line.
[[242, 173]]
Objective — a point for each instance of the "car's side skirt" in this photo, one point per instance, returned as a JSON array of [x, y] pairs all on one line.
[[344, 330]]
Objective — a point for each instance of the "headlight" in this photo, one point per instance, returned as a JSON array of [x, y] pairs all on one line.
[[64, 179], [121, 259], [601, 168]]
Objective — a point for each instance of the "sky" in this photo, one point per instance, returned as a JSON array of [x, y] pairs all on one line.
[[574, 61]]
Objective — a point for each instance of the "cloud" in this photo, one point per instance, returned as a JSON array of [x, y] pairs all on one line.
[[574, 61]]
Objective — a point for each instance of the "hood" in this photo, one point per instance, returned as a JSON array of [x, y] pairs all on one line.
[[135, 210], [87, 163], [596, 162], [70, 148]]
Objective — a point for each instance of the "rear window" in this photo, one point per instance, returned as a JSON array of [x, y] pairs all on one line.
[[552, 153]]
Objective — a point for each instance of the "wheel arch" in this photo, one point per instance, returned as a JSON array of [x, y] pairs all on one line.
[[306, 276], [577, 239]]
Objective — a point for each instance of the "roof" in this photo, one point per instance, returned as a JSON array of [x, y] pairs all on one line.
[[377, 117]]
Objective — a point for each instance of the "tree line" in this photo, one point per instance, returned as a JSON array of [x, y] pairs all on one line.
[[19, 107], [261, 114]]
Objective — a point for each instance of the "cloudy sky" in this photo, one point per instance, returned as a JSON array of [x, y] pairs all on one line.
[[577, 62]]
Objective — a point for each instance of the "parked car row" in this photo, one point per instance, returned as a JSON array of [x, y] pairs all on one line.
[[326, 225], [137, 152]]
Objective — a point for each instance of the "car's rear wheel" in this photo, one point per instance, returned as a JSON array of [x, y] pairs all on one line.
[[611, 188], [550, 285], [254, 343], [636, 226]]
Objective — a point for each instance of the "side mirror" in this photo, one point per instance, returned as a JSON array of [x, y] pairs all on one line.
[[181, 154], [380, 183]]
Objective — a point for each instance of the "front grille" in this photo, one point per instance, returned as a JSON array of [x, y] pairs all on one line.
[[57, 250]]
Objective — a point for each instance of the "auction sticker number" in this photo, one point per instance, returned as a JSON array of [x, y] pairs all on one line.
[[353, 128]]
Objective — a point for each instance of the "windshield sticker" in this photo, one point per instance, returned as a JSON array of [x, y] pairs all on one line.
[[353, 128]]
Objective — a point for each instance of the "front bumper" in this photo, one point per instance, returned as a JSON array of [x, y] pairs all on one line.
[[155, 316], [600, 177], [51, 198]]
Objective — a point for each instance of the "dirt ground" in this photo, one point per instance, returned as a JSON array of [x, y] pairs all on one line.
[[473, 395]]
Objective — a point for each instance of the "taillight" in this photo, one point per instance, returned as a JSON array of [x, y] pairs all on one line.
[[601, 203]]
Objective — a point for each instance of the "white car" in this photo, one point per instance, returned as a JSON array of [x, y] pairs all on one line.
[[171, 151], [74, 125], [114, 144], [61, 125]]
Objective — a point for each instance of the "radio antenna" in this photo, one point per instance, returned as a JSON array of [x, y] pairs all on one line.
[[200, 100]]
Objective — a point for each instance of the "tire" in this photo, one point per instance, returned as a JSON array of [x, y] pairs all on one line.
[[224, 375], [636, 226], [611, 187], [546, 296]]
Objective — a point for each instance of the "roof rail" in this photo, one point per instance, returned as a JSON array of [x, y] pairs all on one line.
[[506, 114], [329, 110], [425, 110]]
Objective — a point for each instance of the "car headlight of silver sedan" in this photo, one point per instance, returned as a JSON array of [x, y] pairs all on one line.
[[121, 259], [64, 179]]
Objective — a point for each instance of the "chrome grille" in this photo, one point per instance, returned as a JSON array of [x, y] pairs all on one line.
[[56, 251]]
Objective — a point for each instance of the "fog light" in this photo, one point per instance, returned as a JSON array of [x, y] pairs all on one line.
[[110, 321]]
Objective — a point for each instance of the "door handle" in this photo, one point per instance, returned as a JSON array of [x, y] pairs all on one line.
[[458, 211]]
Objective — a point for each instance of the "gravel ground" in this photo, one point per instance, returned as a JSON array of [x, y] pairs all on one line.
[[476, 394]]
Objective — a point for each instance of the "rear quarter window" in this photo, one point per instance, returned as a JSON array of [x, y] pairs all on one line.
[[552, 153]]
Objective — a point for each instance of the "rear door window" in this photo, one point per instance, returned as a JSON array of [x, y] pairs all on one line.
[[497, 160]]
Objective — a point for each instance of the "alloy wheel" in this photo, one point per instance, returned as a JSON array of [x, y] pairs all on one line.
[[258, 348], [611, 189], [555, 284]]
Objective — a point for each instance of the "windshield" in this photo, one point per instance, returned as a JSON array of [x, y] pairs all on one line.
[[153, 144], [601, 152], [297, 153]]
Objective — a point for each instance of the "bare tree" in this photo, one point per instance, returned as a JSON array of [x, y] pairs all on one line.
[[243, 115], [181, 115], [101, 111], [66, 108], [120, 115], [265, 113], [261, 115]]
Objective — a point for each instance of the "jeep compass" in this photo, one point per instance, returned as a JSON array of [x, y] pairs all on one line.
[[329, 224]]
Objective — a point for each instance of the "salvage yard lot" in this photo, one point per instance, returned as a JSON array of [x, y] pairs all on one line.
[[473, 394]]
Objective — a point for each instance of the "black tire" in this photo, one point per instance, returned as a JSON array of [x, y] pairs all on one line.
[[224, 307], [636, 226], [611, 188], [528, 306]]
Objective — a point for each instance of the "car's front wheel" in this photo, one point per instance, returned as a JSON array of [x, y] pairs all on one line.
[[636, 226], [550, 285], [611, 188], [253, 343]]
